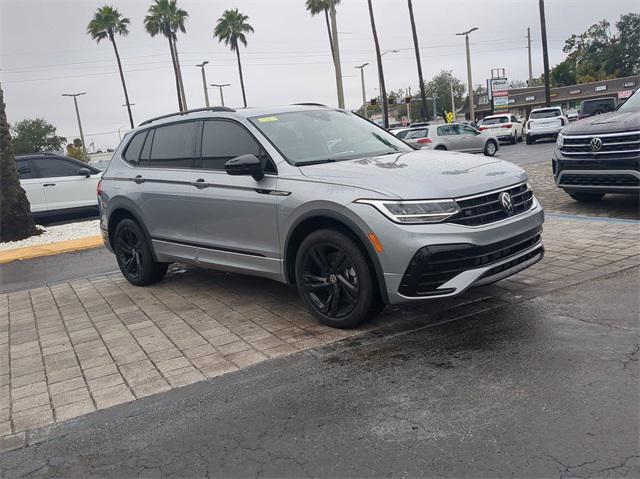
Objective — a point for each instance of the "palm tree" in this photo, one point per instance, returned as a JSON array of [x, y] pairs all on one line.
[[15, 215], [164, 17], [106, 24], [230, 29], [383, 92], [329, 8], [423, 93]]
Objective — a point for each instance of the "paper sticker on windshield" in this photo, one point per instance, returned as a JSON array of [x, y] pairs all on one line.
[[267, 119]]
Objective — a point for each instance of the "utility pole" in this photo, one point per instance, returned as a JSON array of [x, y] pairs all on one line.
[[221, 86], [75, 102], [364, 94], [472, 109], [423, 92], [453, 102], [433, 99], [336, 54], [545, 56], [408, 103], [204, 82], [529, 51]]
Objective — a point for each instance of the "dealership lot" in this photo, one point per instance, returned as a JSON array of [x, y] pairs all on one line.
[[94, 342]]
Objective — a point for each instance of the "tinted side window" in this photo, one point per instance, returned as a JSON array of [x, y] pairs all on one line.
[[24, 170], [55, 167], [132, 155], [175, 145], [447, 130], [224, 140]]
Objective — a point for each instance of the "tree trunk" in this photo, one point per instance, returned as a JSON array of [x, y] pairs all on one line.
[[124, 85], [184, 98], [383, 92], [326, 19], [244, 97], [175, 72], [423, 93], [15, 214], [336, 55]]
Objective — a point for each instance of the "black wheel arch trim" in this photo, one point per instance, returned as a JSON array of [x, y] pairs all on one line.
[[121, 203], [355, 229]]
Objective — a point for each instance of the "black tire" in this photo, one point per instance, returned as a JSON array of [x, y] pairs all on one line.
[[514, 138], [441, 148], [490, 148], [584, 197], [134, 255], [335, 280], [530, 141]]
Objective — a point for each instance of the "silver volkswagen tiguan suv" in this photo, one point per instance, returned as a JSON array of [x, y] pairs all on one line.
[[319, 198]]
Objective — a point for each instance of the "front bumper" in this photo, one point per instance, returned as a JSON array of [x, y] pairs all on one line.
[[402, 242]]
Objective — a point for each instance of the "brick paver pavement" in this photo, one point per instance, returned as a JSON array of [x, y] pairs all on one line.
[[83, 345]]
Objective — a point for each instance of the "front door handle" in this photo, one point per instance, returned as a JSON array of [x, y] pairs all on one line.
[[139, 179], [49, 184], [200, 183]]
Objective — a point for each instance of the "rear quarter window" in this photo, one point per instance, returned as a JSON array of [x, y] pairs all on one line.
[[132, 153]]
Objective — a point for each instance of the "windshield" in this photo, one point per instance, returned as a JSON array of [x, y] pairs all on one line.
[[535, 115], [314, 136], [633, 103], [495, 121]]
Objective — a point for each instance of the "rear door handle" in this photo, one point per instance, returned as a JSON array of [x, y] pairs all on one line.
[[139, 179], [200, 183], [49, 184]]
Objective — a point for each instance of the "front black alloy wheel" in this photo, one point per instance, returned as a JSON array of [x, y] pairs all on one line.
[[335, 280], [134, 255]]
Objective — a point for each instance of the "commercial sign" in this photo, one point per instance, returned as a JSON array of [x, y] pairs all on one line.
[[625, 94], [501, 102], [574, 92], [601, 88], [629, 83], [530, 98], [499, 87]]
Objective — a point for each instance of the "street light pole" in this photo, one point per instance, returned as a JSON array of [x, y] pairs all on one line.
[[529, 52], [545, 56], [204, 82], [221, 86], [385, 104], [75, 102], [453, 102], [472, 110], [364, 94]]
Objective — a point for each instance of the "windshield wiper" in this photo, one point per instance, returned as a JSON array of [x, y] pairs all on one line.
[[316, 162]]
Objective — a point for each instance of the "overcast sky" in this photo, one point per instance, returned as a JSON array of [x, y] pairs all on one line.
[[44, 52]]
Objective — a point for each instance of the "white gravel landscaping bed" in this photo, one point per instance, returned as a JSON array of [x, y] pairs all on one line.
[[55, 234]]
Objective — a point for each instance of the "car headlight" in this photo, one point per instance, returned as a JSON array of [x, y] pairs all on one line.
[[415, 212], [560, 140]]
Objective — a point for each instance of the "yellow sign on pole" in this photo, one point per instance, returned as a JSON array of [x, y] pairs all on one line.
[[449, 117]]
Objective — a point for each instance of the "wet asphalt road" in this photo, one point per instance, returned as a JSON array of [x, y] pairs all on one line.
[[544, 388]]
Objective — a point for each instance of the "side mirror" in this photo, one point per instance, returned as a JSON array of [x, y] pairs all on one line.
[[84, 172], [245, 165]]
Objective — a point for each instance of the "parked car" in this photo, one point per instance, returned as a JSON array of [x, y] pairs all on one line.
[[504, 126], [457, 137], [597, 106], [319, 198], [57, 184], [545, 123], [572, 115], [601, 154], [415, 137]]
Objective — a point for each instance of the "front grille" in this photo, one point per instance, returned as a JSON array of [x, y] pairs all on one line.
[[433, 266], [484, 209], [623, 145], [600, 164], [599, 180]]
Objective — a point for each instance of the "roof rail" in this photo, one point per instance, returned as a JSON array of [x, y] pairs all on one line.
[[310, 104], [186, 112]]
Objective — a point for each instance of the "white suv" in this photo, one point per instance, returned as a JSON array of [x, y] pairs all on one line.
[[57, 184], [545, 123], [505, 127]]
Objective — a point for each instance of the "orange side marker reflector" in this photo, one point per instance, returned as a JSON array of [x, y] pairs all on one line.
[[375, 242]]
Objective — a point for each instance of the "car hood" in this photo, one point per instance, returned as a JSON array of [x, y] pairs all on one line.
[[420, 174], [613, 122]]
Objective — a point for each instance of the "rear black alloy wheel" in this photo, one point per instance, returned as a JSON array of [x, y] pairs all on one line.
[[134, 255], [334, 279]]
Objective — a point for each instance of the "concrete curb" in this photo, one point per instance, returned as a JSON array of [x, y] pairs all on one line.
[[50, 249]]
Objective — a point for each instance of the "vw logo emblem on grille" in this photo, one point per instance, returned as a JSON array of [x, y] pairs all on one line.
[[596, 144], [507, 202]]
